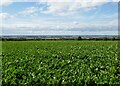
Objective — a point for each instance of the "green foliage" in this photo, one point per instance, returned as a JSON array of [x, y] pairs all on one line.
[[60, 62]]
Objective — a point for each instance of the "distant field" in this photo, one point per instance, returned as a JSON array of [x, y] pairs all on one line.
[[60, 62]]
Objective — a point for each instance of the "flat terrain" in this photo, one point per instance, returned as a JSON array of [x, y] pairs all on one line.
[[60, 62]]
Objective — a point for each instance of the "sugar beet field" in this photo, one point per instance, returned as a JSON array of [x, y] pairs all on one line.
[[60, 62]]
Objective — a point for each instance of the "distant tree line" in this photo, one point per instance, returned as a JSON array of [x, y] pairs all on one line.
[[79, 38], [100, 38]]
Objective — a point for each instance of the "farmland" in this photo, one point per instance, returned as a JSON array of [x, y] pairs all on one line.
[[60, 62]]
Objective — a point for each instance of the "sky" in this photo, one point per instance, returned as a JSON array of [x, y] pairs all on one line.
[[62, 17]]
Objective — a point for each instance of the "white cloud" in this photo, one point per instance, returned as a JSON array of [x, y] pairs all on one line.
[[64, 7], [75, 22], [62, 26], [116, 0], [61, 8], [5, 2], [4, 16], [29, 10], [68, 7], [44, 27]]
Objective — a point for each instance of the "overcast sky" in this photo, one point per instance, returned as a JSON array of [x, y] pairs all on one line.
[[48, 17]]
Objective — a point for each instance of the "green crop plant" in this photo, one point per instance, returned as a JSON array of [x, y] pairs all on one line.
[[60, 62]]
